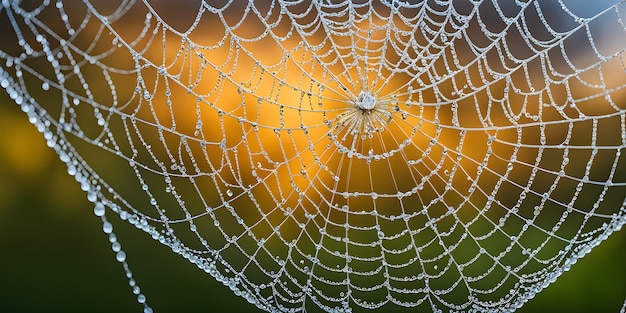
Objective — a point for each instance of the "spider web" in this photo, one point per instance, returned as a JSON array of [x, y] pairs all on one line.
[[341, 155]]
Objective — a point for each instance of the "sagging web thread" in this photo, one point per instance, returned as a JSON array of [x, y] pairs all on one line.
[[457, 156]]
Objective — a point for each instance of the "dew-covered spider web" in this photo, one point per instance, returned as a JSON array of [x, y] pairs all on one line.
[[338, 155]]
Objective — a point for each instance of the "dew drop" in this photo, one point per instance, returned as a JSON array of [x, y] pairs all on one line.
[[107, 228], [98, 210], [120, 256]]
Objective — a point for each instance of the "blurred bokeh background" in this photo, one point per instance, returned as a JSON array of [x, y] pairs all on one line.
[[55, 258]]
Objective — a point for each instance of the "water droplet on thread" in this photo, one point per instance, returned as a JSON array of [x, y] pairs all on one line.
[[120, 256], [99, 210]]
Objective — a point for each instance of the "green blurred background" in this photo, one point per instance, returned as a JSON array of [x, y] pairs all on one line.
[[55, 257]]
